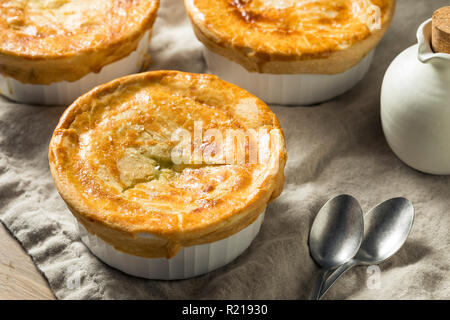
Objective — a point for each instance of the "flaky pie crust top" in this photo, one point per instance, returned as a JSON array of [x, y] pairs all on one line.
[[265, 35], [45, 41], [110, 157]]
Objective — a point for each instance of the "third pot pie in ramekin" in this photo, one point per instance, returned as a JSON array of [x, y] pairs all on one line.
[[53, 51], [290, 51], [115, 159]]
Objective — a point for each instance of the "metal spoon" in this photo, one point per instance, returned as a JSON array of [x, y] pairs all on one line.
[[386, 228], [336, 235]]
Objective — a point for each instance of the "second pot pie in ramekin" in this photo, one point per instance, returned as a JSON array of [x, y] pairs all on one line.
[[290, 51], [53, 51], [115, 159]]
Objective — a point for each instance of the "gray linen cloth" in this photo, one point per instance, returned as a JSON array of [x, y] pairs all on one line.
[[335, 147]]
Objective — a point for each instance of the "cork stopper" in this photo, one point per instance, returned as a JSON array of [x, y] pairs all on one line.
[[440, 35]]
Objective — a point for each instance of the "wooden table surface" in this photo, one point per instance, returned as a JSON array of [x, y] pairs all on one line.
[[19, 278]]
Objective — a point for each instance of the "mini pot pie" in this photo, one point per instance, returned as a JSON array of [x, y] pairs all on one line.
[[52, 51], [168, 173], [290, 51]]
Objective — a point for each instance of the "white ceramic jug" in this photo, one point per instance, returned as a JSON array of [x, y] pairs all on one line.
[[415, 106]]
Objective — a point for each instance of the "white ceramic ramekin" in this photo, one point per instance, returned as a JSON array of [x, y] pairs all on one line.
[[64, 92], [287, 89], [189, 261]]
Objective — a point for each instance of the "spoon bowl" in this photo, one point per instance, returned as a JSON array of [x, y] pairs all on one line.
[[386, 228], [336, 234]]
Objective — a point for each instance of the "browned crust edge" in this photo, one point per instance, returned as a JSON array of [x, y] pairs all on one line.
[[264, 62]]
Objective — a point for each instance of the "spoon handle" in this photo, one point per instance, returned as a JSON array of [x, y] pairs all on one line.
[[319, 283], [335, 276]]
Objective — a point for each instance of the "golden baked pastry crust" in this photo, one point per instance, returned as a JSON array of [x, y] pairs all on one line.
[[42, 42], [111, 157], [290, 36]]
